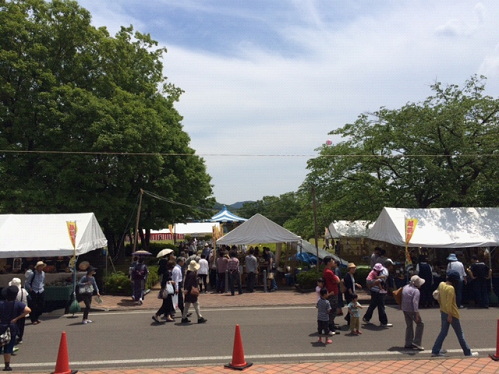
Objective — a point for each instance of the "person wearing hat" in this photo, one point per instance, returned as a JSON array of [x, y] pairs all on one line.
[[11, 311], [35, 285], [410, 307], [350, 286], [191, 291], [22, 296], [449, 316], [456, 265], [376, 281], [87, 286]]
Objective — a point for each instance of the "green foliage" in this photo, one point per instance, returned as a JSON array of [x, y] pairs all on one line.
[[278, 209], [438, 153], [307, 280], [117, 284], [76, 106]]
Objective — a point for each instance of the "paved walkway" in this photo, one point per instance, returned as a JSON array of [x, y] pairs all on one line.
[[482, 365]]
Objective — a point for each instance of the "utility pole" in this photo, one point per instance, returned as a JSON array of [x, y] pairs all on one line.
[[314, 208], [136, 234]]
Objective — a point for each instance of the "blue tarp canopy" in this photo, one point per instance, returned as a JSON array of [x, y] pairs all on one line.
[[226, 216]]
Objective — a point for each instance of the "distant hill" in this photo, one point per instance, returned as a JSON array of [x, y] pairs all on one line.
[[234, 206]]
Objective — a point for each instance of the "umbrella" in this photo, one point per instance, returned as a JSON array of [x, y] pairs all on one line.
[[164, 252], [141, 252]]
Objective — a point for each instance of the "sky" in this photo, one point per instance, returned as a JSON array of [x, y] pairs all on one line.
[[266, 81]]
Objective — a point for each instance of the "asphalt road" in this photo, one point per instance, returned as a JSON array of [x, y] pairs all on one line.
[[269, 334]]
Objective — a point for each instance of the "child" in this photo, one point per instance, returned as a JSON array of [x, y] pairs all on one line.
[[319, 287], [353, 309], [323, 310]]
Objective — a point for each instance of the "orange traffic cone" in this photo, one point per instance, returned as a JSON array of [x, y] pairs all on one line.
[[238, 362], [62, 365]]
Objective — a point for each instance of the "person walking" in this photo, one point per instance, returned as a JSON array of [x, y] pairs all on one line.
[[221, 270], [139, 276], [35, 285], [331, 283], [251, 264], [350, 286], [323, 311], [376, 281], [449, 316], [177, 278], [203, 273], [87, 287], [11, 311], [354, 311], [191, 291], [167, 309], [22, 296], [455, 264], [410, 307]]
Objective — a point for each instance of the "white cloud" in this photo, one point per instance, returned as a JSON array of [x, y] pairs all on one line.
[[290, 74]]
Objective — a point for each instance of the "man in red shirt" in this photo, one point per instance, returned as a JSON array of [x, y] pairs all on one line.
[[331, 282]]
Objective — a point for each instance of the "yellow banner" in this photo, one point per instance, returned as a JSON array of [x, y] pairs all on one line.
[[72, 229], [410, 227]]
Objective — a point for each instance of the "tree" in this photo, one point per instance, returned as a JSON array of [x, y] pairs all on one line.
[[88, 119], [442, 152], [278, 209]]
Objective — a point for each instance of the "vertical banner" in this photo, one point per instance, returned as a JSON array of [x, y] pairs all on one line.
[[410, 227], [72, 229]]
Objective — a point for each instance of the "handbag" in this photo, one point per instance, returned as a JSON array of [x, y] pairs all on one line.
[[170, 289], [194, 291], [436, 295], [343, 288], [88, 288], [162, 294], [5, 335]]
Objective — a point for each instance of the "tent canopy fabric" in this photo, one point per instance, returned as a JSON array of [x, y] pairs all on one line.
[[46, 235], [258, 229], [307, 247], [439, 227], [349, 229], [226, 216]]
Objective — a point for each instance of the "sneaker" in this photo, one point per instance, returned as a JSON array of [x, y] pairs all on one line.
[[329, 341], [439, 354], [331, 333], [84, 322], [417, 347], [202, 320], [155, 318], [7, 368], [89, 321], [185, 320], [386, 324], [472, 354]]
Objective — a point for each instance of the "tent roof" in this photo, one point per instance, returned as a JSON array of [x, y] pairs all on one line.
[[258, 229], [439, 227], [349, 229], [308, 247], [46, 235], [226, 216]]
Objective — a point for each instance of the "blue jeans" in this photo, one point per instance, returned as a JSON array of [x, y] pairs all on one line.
[[456, 325]]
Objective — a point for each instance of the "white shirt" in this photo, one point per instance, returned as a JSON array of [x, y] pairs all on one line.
[[177, 276], [203, 266], [457, 266]]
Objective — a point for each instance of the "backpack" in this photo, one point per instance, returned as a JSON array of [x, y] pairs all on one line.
[[139, 272]]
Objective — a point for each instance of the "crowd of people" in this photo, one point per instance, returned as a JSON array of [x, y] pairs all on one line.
[[421, 290]]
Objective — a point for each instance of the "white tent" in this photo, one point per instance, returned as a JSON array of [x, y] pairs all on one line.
[[439, 227], [258, 229], [46, 235], [349, 229]]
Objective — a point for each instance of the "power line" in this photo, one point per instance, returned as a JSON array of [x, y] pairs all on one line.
[[148, 154]]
